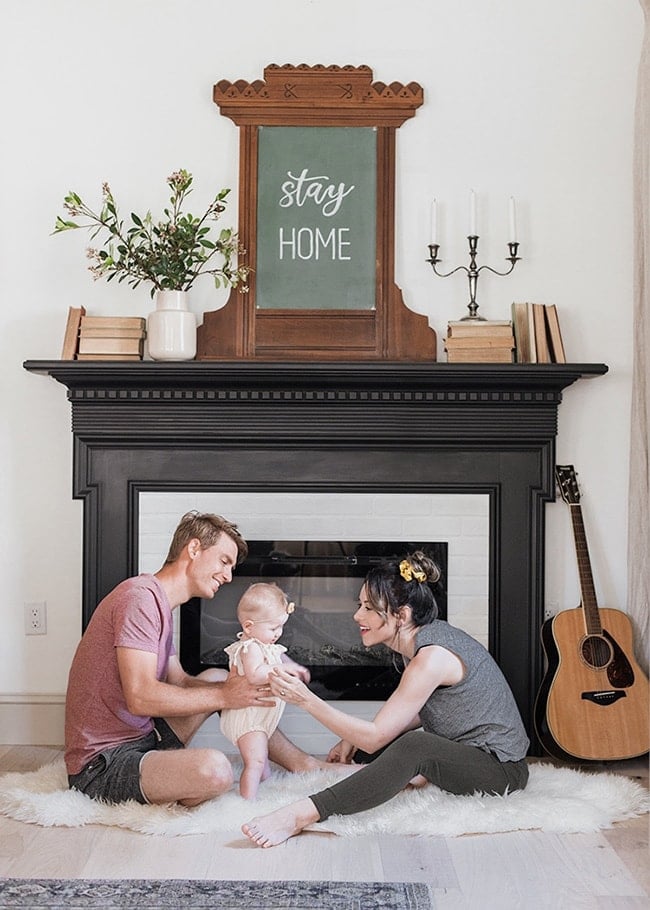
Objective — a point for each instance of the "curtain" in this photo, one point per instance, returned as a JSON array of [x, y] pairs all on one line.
[[639, 492]]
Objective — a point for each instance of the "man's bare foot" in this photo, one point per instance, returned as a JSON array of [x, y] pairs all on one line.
[[277, 827], [311, 763], [342, 768]]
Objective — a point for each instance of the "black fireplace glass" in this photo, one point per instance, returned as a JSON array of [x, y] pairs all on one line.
[[323, 579]]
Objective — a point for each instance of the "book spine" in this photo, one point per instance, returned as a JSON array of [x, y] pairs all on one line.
[[113, 322], [71, 336], [110, 346]]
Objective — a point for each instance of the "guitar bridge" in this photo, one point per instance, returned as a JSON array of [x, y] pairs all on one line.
[[604, 698]]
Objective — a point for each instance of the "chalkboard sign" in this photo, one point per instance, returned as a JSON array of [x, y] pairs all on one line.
[[316, 218]]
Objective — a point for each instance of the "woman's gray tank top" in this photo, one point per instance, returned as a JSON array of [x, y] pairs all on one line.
[[481, 709]]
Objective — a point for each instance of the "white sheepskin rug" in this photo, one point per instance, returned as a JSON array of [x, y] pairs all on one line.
[[560, 800]]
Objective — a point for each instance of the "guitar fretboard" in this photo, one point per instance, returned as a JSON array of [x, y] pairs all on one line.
[[589, 605]]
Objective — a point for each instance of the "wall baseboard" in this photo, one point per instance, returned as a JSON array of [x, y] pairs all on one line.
[[31, 720]]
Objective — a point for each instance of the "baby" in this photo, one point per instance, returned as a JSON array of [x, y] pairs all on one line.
[[262, 612]]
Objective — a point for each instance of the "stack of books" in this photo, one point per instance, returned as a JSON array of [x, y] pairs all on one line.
[[111, 338], [538, 338], [479, 341]]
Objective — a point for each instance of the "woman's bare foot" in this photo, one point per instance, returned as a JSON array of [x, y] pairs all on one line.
[[417, 782], [277, 827]]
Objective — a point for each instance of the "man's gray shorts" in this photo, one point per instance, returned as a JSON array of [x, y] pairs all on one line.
[[114, 774]]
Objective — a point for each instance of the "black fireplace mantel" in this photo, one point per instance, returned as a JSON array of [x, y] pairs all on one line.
[[327, 427]]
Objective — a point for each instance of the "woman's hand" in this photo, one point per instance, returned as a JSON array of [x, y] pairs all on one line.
[[286, 685], [295, 669], [341, 753]]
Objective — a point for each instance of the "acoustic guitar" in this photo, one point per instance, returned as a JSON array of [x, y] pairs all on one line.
[[593, 703]]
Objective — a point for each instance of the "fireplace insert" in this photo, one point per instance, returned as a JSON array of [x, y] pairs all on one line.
[[323, 579]]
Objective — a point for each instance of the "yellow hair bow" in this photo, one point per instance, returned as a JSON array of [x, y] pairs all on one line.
[[408, 573]]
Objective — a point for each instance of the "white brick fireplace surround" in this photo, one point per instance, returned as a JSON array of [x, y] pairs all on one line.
[[461, 520]]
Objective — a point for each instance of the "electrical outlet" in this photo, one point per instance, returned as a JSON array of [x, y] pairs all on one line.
[[35, 618]]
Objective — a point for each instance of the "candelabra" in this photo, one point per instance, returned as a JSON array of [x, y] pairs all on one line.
[[472, 270]]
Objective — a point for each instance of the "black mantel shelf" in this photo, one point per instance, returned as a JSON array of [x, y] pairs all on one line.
[[197, 374], [361, 427]]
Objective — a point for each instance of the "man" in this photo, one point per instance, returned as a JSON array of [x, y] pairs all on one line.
[[130, 706]]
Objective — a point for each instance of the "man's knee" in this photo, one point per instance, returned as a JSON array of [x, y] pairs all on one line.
[[214, 770]]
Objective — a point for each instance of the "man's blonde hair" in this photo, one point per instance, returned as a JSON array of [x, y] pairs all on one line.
[[207, 529]]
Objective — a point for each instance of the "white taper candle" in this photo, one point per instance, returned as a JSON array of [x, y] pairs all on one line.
[[513, 221], [472, 213]]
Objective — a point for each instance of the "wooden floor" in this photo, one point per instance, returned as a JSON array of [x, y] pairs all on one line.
[[526, 869]]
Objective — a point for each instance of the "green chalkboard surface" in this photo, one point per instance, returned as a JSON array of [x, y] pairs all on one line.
[[316, 218]]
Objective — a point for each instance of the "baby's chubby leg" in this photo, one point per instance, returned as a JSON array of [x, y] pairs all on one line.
[[254, 750]]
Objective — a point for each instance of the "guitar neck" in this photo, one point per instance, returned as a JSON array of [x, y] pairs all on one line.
[[589, 605]]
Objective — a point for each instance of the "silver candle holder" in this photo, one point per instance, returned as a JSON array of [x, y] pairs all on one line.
[[472, 270]]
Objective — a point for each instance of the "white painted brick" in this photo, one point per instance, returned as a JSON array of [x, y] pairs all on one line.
[[475, 525], [469, 565], [472, 545], [471, 585]]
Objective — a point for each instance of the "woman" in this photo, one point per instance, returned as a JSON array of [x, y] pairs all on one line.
[[472, 737]]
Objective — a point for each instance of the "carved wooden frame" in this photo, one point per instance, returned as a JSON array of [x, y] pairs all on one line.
[[318, 96]]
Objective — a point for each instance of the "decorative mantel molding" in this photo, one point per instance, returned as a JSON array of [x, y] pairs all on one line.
[[362, 427], [444, 401]]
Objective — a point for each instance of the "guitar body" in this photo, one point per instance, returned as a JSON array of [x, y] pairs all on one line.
[[593, 703]]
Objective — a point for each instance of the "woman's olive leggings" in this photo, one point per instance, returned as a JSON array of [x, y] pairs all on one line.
[[451, 766]]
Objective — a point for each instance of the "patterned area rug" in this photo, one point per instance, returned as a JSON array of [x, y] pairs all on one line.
[[39, 894], [560, 800]]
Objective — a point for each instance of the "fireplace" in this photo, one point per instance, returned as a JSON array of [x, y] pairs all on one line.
[[368, 428], [322, 579]]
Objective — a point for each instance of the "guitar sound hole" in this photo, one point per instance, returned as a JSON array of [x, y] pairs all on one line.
[[596, 651]]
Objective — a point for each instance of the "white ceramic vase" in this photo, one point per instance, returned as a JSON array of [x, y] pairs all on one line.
[[171, 328]]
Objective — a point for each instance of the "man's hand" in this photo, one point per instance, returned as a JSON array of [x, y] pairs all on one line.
[[341, 753], [239, 693]]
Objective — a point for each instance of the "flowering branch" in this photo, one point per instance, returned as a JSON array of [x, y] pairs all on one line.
[[170, 253]]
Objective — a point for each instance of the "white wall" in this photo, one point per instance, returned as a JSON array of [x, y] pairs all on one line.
[[521, 97]]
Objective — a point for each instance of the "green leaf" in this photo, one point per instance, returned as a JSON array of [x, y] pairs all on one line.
[[61, 225]]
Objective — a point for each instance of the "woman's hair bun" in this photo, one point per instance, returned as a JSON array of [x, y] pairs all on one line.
[[421, 564]]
